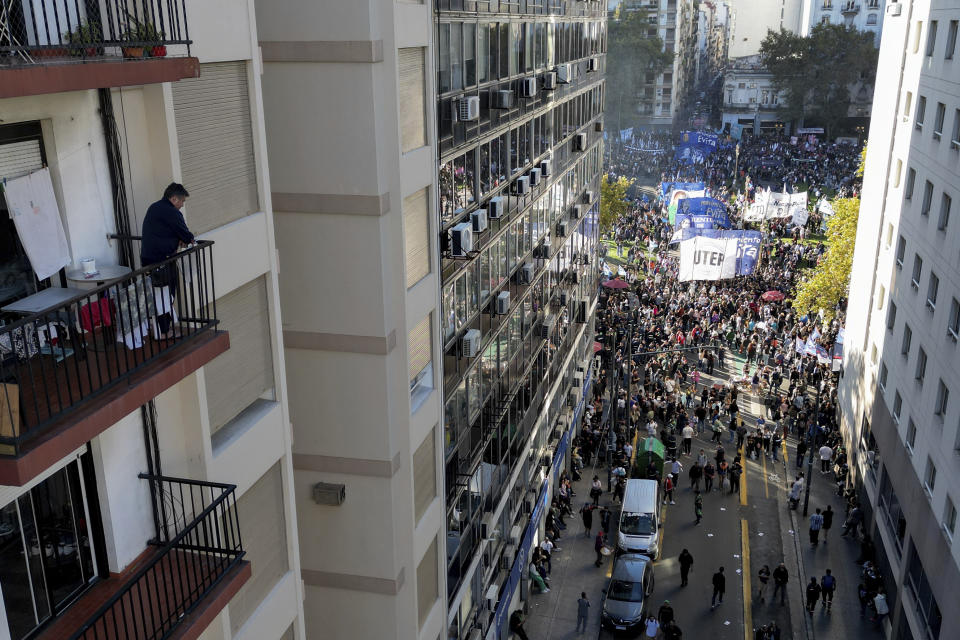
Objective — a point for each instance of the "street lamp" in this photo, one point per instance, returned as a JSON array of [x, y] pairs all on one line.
[[816, 418]]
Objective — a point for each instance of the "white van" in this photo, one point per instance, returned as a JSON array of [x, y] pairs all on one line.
[[640, 518]]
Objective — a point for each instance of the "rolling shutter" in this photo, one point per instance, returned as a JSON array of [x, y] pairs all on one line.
[[420, 352], [20, 158], [244, 372], [413, 133], [424, 476], [215, 136], [263, 529], [416, 236]]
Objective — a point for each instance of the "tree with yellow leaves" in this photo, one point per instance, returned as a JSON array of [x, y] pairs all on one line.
[[829, 281], [613, 200]]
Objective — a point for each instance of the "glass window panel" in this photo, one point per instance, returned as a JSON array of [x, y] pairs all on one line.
[[443, 66], [504, 49], [485, 169], [502, 254], [449, 319], [483, 52], [485, 280], [461, 301], [470, 294], [470, 53], [456, 56], [473, 393], [514, 48], [447, 199]]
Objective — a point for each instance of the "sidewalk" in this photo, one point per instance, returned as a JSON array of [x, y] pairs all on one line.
[[553, 615]]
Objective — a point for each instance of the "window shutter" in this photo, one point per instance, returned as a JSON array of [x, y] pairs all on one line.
[[424, 475], [263, 529], [240, 375], [20, 158], [428, 589], [411, 63], [420, 352], [416, 236], [215, 137]]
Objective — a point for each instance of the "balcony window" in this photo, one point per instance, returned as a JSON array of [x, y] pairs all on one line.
[[932, 37], [951, 40], [945, 203], [917, 271], [907, 339], [921, 370], [911, 439], [949, 518], [921, 112], [891, 509], [938, 120], [891, 315], [955, 136], [897, 406], [943, 400], [911, 181], [933, 286], [953, 323], [927, 198]]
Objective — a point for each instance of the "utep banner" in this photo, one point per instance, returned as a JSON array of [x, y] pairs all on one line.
[[704, 258], [746, 247], [705, 206]]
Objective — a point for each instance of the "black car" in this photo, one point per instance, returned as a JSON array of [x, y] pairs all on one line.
[[625, 598]]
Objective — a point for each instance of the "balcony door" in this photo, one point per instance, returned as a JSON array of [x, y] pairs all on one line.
[[46, 550]]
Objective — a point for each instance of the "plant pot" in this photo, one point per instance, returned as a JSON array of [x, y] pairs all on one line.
[[83, 52], [50, 53], [132, 52], [159, 51]]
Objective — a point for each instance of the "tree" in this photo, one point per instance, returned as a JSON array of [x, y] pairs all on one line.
[[613, 200], [829, 281], [632, 53], [817, 72]]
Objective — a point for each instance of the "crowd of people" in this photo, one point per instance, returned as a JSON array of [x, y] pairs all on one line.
[[679, 359]]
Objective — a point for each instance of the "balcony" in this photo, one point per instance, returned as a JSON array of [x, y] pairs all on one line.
[[178, 586], [49, 46], [89, 357], [850, 8]]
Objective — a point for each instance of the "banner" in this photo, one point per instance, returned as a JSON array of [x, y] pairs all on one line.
[[810, 348], [822, 356], [800, 345], [785, 205], [800, 216], [704, 258], [626, 133], [700, 139], [736, 131], [748, 252], [825, 208], [805, 130], [693, 206], [666, 187], [679, 194]]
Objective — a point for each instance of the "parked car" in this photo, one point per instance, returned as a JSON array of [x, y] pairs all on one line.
[[625, 598]]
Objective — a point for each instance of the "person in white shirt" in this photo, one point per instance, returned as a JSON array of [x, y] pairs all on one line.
[[651, 627], [825, 454], [628, 450], [676, 468], [687, 439]]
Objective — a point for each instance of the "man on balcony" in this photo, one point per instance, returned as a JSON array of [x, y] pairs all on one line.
[[164, 233]]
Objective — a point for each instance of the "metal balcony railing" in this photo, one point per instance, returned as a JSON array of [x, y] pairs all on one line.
[[58, 360], [198, 533], [38, 31]]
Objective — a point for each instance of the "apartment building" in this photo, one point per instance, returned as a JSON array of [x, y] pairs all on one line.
[[435, 177], [749, 96], [753, 18], [901, 419], [862, 15], [145, 465]]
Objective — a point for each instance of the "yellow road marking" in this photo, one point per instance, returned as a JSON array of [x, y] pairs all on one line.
[[747, 591], [766, 490], [786, 458], [743, 483]]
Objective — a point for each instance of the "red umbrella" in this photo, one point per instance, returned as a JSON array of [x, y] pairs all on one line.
[[616, 283], [597, 347], [772, 296]]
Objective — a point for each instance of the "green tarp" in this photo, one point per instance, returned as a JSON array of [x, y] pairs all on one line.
[[648, 449]]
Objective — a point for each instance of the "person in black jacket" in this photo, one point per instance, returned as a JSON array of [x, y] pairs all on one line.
[[163, 233], [719, 586], [780, 578], [686, 561], [813, 594]]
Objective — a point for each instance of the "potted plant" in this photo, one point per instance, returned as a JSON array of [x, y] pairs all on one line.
[[85, 39], [143, 33]]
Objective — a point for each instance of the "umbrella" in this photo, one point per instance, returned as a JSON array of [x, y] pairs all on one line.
[[597, 347], [772, 296], [616, 283]]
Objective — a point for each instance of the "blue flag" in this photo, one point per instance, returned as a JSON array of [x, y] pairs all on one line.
[[705, 206]]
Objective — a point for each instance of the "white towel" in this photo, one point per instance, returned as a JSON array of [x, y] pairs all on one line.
[[33, 208]]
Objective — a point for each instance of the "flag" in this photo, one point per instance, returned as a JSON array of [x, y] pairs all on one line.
[[704, 258], [822, 356], [800, 346], [810, 348], [815, 334]]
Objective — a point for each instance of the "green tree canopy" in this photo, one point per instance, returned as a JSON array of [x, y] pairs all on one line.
[[613, 200], [829, 281], [817, 72], [633, 50]]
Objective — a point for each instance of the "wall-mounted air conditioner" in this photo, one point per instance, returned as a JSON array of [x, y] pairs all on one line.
[[893, 9], [461, 237], [564, 296], [577, 383], [526, 273], [470, 343], [492, 595], [509, 553], [516, 532], [549, 81], [587, 197], [495, 207], [528, 87], [534, 176], [564, 73], [598, 126], [468, 108], [580, 142], [593, 64], [479, 220], [488, 525], [503, 99], [547, 327], [502, 306], [545, 167], [578, 211], [562, 228], [522, 186]]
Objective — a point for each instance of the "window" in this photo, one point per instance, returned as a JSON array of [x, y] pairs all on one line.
[[917, 30], [897, 406], [938, 120], [420, 362], [907, 339], [921, 112], [897, 172], [955, 136], [890, 508], [873, 354], [932, 37], [932, 287], [413, 113], [917, 271], [949, 517], [872, 20], [907, 103], [911, 180], [901, 250], [911, 439], [951, 40], [880, 296], [883, 376], [921, 365], [428, 581], [416, 236], [927, 198], [926, 605], [891, 315], [930, 477], [424, 476], [953, 326], [944, 219], [943, 398]]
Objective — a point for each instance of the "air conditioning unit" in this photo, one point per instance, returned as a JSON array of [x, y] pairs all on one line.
[[495, 207], [528, 87], [587, 197], [470, 343], [516, 532], [577, 383], [462, 240], [578, 211], [547, 327], [503, 303], [503, 99], [580, 142], [598, 126], [493, 593], [522, 185], [527, 506], [541, 251], [468, 108], [479, 220], [564, 73], [593, 64], [506, 560], [564, 296], [526, 273], [549, 81], [893, 9], [573, 398], [534, 176], [475, 634], [488, 525], [545, 167], [574, 277], [562, 228], [580, 312]]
